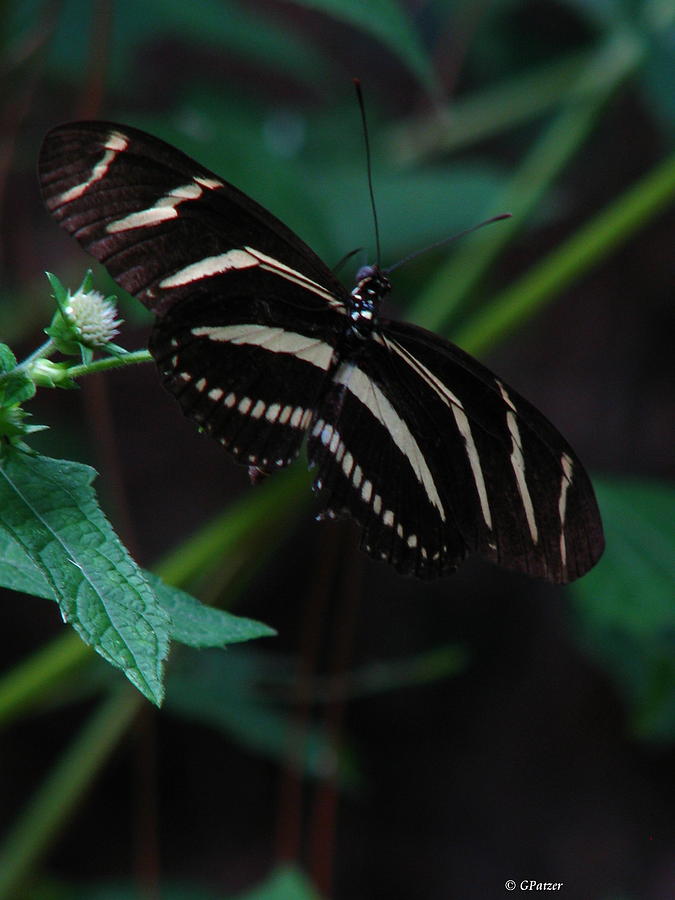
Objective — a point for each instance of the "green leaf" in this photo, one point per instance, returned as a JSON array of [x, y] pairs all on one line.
[[197, 625], [49, 512], [15, 386], [624, 606], [13, 426], [7, 359], [285, 883], [18, 572], [59, 291], [387, 21]]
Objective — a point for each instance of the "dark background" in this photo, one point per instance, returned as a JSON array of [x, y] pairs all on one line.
[[540, 745]]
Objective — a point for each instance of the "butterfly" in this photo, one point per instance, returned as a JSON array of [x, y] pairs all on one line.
[[433, 455]]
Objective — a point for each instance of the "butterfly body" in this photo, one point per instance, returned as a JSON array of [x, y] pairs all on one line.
[[263, 347]]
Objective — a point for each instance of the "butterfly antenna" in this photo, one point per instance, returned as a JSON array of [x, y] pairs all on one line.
[[364, 122], [336, 268], [448, 240]]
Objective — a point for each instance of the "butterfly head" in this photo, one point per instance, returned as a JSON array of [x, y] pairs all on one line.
[[372, 284]]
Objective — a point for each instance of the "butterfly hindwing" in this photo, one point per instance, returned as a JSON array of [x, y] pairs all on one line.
[[478, 468], [243, 372], [361, 434]]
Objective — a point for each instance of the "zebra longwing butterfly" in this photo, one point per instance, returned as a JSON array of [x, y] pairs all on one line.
[[430, 452]]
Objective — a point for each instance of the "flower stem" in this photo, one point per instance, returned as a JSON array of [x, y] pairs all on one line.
[[44, 350], [57, 796], [110, 362]]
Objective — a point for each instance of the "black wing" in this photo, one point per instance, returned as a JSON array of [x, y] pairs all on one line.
[[437, 458], [433, 454], [217, 268]]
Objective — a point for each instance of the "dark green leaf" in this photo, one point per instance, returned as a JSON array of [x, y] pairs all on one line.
[[198, 625], [59, 291], [7, 359], [18, 572], [13, 426], [49, 511], [15, 387]]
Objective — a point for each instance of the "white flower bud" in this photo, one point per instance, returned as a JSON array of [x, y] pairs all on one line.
[[93, 316]]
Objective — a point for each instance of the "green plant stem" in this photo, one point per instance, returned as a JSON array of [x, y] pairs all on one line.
[[44, 669], [61, 790], [240, 523], [110, 362], [450, 288], [585, 248], [54, 800], [490, 111], [43, 351]]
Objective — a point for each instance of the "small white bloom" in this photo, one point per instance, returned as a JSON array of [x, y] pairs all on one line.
[[93, 316]]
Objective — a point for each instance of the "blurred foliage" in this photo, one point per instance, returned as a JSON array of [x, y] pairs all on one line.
[[284, 883], [228, 693], [625, 607], [287, 883], [247, 695], [540, 94]]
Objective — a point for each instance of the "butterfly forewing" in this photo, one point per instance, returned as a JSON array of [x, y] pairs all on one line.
[[429, 451], [160, 222], [247, 314]]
